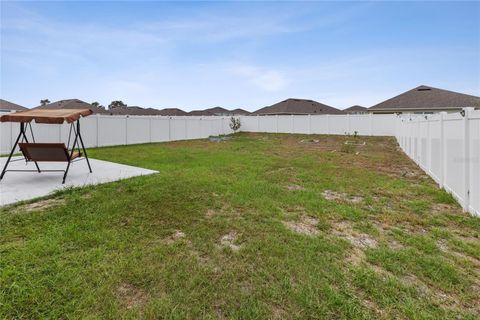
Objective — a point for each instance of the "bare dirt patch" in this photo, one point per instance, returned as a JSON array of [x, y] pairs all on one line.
[[295, 187], [131, 296], [228, 241], [340, 196], [344, 230], [42, 204], [395, 245], [210, 213], [177, 235], [444, 247], [355, 256], [442, 208], [306, 226], [309, 141]]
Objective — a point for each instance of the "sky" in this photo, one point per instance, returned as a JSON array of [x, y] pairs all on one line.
[[195, 55]]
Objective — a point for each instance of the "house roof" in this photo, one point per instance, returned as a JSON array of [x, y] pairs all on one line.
[[298, 106], [355, 108], [217, 110], [172, 112], [200, 113], [71, 104], [7, 105], [240, 112], [427, 98], [134, 111]]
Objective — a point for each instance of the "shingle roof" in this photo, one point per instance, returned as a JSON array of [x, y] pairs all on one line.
[[218, 110], [200, 113], [72, 104], [7, 105], [425, 98], [356, 108], [172, 112], [298, 106], [134, 111], [240, 112]]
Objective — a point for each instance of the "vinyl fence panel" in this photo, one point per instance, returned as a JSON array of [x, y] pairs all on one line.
[[447, 147]]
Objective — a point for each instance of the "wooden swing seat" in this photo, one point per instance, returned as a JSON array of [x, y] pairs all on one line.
[[47, 152]]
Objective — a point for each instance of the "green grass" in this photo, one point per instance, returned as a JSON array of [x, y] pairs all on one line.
[[109, 252]]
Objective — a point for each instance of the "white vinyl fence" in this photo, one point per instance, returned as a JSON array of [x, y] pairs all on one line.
[[367, 124], [447, 147], [104, 130]]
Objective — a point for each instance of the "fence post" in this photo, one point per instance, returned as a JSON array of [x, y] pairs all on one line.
[[293, 123], [169, 129], [276, 123], [150, 129], [11, 135], [328, 124], [309, 124], [97, 133], [466, 139], [126, 130], [370, 116], [186, 125], [428, 156], [348, 123], [443, 149], [258, 123]]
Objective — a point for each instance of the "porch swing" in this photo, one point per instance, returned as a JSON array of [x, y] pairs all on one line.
[[48, 152]]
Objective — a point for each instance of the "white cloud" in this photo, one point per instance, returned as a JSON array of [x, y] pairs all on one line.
[[266, 80]]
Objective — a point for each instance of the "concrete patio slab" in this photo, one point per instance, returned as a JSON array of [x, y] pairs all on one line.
[[18, 186]]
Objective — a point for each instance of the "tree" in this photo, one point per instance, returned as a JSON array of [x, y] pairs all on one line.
[[44, 102], [235, 124], [116, 104], [97, 104]]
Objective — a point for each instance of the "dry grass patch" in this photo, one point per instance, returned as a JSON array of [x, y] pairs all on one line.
[[344, 230], [42, 205], [306, 226], [176, 236], [442, 208], [295, 187], [131, 296], [228, 241], [340, 196]]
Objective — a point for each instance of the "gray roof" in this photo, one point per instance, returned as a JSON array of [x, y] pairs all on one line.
[[7, 105], [172, 112], [200, 113], [72, 104], [218, 111], [356, 108], [427, 98], [134, 111], [240, 112], [298, 106]]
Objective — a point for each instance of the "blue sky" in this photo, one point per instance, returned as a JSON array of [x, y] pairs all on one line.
[[195, 55]]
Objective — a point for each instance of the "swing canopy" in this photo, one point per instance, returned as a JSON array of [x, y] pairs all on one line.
[[57, 116]]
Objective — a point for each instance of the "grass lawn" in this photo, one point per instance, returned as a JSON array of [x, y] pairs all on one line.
[[260, 226]]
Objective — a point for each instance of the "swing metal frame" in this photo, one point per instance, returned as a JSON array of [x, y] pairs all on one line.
[[30, 150]]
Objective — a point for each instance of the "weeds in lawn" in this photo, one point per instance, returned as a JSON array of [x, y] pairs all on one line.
[[260, 227]]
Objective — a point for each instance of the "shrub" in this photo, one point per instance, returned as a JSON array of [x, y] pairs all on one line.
[[235, 124]]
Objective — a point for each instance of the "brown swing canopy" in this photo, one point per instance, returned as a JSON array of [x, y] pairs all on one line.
[[57, 116]]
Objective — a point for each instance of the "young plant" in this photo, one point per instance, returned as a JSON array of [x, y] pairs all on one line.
[[235, 124]]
